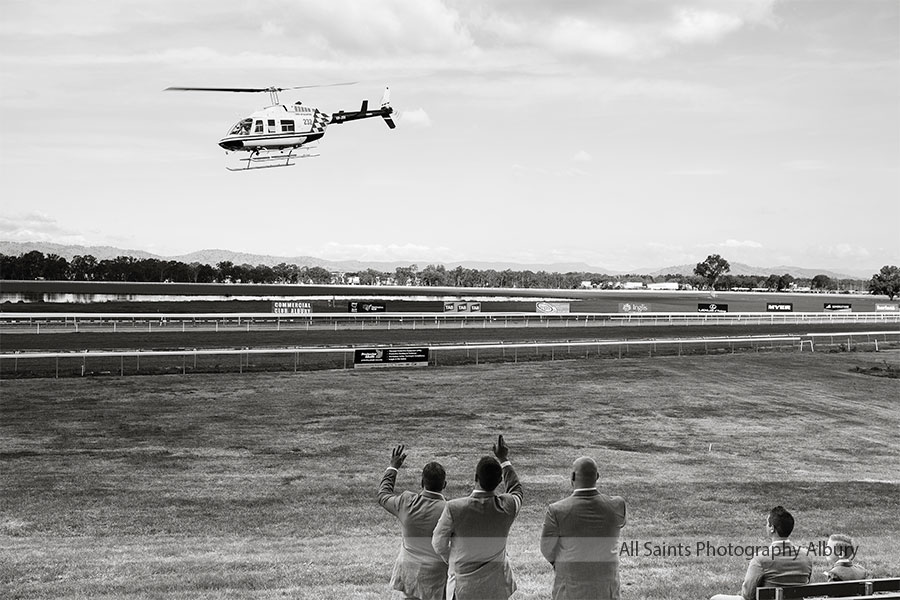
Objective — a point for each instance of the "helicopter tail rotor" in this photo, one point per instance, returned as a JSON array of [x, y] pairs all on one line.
[[386, 109]]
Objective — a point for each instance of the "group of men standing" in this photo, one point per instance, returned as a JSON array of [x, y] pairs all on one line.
[[456, 549]]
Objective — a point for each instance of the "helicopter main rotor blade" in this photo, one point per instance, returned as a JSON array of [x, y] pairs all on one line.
[[212, 89], [302, 87], [267, 89]]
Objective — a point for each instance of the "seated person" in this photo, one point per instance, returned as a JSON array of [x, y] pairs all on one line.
[[841, 560], [784, 564]]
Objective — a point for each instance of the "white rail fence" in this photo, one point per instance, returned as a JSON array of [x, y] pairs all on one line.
[[149, 322], [104, 361]]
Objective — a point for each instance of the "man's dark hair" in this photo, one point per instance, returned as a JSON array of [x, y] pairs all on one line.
[[782, 521], [433, 477], [488, 473]]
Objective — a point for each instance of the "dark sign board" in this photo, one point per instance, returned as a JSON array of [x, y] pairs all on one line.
[[779, 306], [358, 307], [291, 307], [390, 357], [466, 306], [838, 306], [712, 307], [633, 307]]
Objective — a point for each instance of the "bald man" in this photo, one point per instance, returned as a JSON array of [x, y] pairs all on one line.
[[581, 538]]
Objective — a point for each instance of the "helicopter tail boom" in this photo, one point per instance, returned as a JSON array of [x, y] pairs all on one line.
[[384, 112]]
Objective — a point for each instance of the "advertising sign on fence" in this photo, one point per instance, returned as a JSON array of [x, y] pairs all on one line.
[[291, 307], [838, 306], [358, 307], [779, 307], [462, 306], [887, 307], [552, 307], [633, 307], [390, 357], [712, 307]]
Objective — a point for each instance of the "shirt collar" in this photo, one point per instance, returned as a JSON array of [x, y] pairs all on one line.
[[843, 562], [433, 495], [589, 490]]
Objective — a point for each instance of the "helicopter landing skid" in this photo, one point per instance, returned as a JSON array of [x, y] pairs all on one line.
[[262, 159]]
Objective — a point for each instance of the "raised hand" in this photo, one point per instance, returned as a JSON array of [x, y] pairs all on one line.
[[398, 455], [501, 450]]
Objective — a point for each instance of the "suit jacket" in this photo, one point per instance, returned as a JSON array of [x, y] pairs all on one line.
[[845, 570], [471, 536], [581, 540], [418, 571], [786, 565]]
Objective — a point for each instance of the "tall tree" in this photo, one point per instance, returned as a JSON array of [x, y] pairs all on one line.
[[822, 282], [886, 281], [784, 282], [434, 275], [711, 269], [83, 267]]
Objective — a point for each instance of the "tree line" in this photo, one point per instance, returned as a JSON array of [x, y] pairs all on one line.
[[711, 273]]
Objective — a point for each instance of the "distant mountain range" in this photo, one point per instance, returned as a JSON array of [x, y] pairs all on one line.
[[215, 256]]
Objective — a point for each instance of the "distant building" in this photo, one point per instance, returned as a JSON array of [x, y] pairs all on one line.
[[665, 285]]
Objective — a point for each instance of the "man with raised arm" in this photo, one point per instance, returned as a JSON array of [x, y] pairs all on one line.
[[472, 531], [418, 572], [581, 538]]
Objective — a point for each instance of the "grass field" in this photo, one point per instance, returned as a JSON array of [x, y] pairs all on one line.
[[263, 485]]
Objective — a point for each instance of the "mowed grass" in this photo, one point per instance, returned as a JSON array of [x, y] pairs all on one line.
[[263, 485]]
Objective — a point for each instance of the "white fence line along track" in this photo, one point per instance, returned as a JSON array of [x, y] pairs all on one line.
[[651, 345], [149, 322]]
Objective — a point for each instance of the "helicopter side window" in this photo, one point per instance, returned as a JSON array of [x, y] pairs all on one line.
[[258, 128], [242, 128], [271, 125], [287, 127]]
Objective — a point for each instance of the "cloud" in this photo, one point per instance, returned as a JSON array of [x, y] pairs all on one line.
[[383, 252], [37, 227], [634, 31], [698, 172], [272, 29], [702, 26], [732, 244], [805, 165], [844, 251], [416, 117], [740, 244], [582, 156]]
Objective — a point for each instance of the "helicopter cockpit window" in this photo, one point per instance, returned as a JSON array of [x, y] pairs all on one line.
[[242, 128], [258, 128]]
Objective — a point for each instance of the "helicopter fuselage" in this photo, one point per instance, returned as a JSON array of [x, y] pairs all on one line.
[[277, 127]]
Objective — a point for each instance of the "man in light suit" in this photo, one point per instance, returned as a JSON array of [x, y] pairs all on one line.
[[418, 572], [472, 531], [581, 538]]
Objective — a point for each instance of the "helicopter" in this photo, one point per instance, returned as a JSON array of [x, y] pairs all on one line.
[[280, 133]]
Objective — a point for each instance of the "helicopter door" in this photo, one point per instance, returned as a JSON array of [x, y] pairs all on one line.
[[272, 126], [259, 127]]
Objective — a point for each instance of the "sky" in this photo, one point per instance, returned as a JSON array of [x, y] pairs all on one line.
[[621, 134]]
